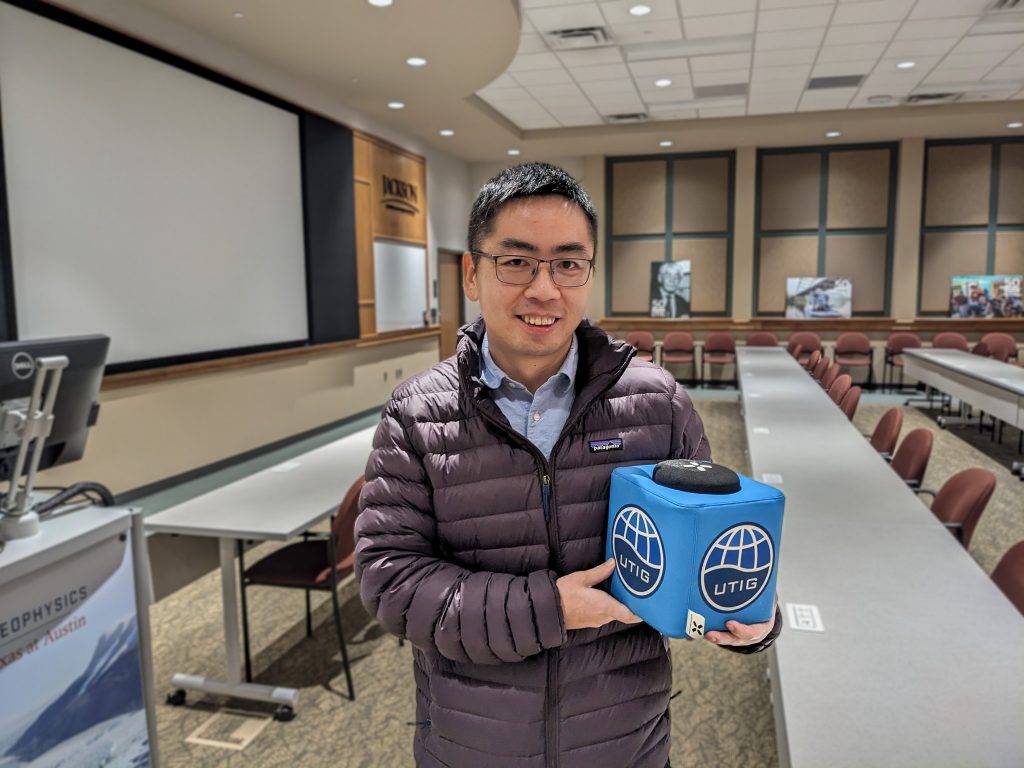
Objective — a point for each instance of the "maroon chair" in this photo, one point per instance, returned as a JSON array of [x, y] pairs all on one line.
[[951, 340], [981, 349], [820, 368], [809, 340], [840, 387], [644, 343], [854, 350], [961, 500], [830, 376], [316, 563], [850, 401], [677, 347], [812, 361], [887, 432], [1001, 346], [797, 351], [1009, 575], [762, 339], [894, 347], [719, 349], [911, 459]]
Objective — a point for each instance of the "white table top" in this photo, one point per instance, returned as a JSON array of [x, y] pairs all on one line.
[[920, 662], [277, 503], [994, 372]]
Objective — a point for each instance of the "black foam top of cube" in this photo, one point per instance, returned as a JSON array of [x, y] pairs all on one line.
[[695, 476]]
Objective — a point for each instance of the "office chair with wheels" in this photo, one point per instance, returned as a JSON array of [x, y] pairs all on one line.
[[911, 459], [961, 500], [1009, 575]]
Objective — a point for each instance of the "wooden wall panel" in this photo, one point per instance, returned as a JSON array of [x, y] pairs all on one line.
[[631, 274], [1009, 253], [638, 197], [947, 254], [1011, 184], [858, 189], [362, 164], [958, 179], [708, 271], [861, 258], [790, 191], [364, 259], [783, 257], [700, 194]]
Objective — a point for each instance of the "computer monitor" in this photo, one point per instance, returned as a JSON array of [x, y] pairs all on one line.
[[75, 409]]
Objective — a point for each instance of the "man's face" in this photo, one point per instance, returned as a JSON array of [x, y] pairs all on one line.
[[669, 279], [530, 323]]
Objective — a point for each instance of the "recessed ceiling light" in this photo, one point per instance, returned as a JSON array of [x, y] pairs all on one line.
[[396, 105], [665, 143], [663, 82], [879, 98], [416, 61], [1015, 125], [446, 132], [639, 10], [906, 65], [380, 3], [237, 15], [513, 152], [833, 135]]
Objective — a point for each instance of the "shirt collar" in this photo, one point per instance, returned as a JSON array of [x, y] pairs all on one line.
[[492, 377]]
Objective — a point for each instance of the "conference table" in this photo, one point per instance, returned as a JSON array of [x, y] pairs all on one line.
[[989, 385], [275, 504], [917, 658]]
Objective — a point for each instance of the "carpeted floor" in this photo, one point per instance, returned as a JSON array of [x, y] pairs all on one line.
[[722, 716]]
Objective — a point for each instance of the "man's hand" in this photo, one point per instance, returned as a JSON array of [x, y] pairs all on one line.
[[743, 634], [584, 607]]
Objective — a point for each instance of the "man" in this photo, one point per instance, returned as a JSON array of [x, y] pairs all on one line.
[[482, 531], [670, 292]]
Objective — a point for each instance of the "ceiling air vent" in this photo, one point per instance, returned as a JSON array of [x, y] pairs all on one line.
[[922, 99], [835, 81], [626, 117], [1005, 5], [578, 38]]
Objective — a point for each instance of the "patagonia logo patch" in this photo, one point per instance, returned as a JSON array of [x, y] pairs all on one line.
[[600, 446]]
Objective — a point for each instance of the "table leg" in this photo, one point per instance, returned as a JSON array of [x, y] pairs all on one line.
[[233, 685]]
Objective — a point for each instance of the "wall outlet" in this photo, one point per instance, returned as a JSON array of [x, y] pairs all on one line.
[[385, 375], [398, 373]]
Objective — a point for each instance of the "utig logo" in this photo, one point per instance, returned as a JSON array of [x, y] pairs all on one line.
[[737, 567], [638, 551]]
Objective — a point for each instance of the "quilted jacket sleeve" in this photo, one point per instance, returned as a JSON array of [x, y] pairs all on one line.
[[478, 616]]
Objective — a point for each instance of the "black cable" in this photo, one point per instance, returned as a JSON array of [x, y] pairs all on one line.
[[95, 492]]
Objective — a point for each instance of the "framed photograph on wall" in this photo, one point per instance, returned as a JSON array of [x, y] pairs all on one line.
[[670, 288], [814, 297], [985, 296]]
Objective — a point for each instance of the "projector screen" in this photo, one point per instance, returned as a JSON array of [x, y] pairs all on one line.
[[145, 202]]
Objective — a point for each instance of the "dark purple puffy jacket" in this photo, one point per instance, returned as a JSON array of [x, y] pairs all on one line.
[[465, 527]]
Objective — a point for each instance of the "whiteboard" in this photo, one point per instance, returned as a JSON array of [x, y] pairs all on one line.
[[146, 203], [400, 285]]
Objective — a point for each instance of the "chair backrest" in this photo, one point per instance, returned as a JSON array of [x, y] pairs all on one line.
[[345, 520], [830, 376], [820, 368], [812, 361], [642, 340], [962, 499], [719, 341], [806, 339], [1009, 575], [911, 459], [850, 401], [677, 341], [762, 339], [887, 431], [797, 351], [853, 343], [901, 340], [1001, 346], [951, 340], [840, 387], [980, 349]]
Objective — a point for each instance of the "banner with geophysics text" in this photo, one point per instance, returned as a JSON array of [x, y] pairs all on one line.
[[71, 690]]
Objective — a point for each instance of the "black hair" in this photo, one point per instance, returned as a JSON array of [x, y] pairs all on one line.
[[525, 180]]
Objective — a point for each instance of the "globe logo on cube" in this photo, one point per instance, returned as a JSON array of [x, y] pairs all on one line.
[[638, 551], [737, 567]]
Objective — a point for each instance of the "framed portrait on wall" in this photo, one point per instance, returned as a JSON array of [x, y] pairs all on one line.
[[817, 297], [985, 296], [670, 288]]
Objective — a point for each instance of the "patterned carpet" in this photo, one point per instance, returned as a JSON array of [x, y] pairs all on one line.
[[722, 716]]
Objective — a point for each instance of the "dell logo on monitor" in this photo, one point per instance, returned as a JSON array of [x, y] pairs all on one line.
[[638, 551], [737, 567], [23, 365]]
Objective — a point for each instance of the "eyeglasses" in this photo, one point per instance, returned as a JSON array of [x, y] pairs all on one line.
[[520, 270]]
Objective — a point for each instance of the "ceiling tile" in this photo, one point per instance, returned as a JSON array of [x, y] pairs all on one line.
[[610, 105], [771, 5], [531, 43], [591, 57], [930, 29], [667, 67], [660, 95], [721, 62], [786, 57], [503, 93], [869, 12], [601, 72], [719, 26], [997, 95], [859, 52], [963, 60], [979, 43], [801, 38], [906, 49], [832, 98], [772, 106], [712, 112], [676, 114], [1015, 60], [536, 123], [837, 68], [603, 87], [565, 17], [617, 11], [792, 74], [691, 8], [794, 18], [531, 61], [543, 92], [544, 3], [937, 9], [1006, 73], [883, 84], [724, 77], [861, 33], [573, 118], [969, 75], [502, 81], [543, 77], [647, 32]]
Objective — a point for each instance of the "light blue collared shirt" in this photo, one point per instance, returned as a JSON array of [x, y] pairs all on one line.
[[538, 417]]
